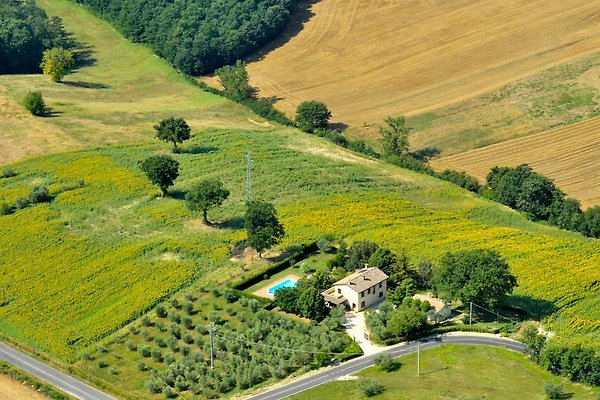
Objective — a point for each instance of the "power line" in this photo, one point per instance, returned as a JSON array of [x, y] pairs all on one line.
[[494, 312]]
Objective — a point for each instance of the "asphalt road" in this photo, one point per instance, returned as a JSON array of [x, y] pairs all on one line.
[[50, 375], [366, 361]]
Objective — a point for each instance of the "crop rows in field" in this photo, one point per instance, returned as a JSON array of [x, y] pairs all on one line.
[[568, 155], [97, 256], [77, 268], [559, 271], [370, 59]]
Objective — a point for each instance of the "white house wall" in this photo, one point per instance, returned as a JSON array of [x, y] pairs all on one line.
[[355, 298]]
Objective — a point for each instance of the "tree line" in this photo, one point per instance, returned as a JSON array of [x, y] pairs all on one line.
[[25, 32], [578, 362], [523, 189], [520, 187], [197, 36]]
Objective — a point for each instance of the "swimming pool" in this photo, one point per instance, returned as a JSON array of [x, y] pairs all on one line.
[[285, 284]]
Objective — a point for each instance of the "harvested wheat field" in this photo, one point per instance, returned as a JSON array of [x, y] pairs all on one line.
[[569, 155], [370, 59]]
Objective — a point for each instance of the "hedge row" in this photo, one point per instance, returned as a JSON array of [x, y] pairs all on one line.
[[260, 274]]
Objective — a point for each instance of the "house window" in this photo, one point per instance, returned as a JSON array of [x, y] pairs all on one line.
[[362, 294], [339, 291], [380, 294], [362, 305], [369, 291], [380, 284]]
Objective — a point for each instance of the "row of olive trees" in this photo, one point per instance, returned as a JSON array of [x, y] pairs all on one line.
[[251, 346]]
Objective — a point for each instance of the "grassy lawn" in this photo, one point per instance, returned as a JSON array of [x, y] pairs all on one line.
[[116, 96], [455, 372]]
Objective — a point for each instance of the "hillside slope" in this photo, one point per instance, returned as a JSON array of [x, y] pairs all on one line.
[[370, 59], [116, 95], [568, 155], [98, 255]]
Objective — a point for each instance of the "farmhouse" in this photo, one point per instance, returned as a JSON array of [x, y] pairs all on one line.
[[359, 290]]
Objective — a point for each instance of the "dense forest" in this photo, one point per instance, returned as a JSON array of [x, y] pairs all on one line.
[[197, 36], [25, 32]]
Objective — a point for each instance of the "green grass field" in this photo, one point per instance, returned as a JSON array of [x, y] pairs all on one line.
[[454, 372], [113, 248], [78, 268], [114, 97]]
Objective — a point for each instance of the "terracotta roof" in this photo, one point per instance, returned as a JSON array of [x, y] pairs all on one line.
[[363, 279]]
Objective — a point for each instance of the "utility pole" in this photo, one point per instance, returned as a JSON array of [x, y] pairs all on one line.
[[471, 313], [418, 359], [248, 178], [212, 351]]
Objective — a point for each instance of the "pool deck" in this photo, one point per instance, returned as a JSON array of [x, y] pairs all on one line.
[[264, 291]]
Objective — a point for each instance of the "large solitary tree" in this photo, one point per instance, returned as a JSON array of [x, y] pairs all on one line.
[[56, 62], [262, 226], [235, 81], [206, 194], [174, 130], [394, 136], [161, 170], [312, 115], [480, 276]]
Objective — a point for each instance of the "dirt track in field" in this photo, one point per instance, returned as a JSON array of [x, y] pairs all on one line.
[[370, 59], [569, 155]]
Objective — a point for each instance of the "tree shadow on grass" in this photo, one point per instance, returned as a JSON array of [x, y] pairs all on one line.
[[85, 85], [235, 223], [198, 150], [426, 153], [338, 126], [177, 194], [51, 113], [393, 366], [530, 306], [273, 99], [84, 55]]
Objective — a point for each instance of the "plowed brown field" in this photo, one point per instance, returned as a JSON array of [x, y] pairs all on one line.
[[569, 155], [370, 59]]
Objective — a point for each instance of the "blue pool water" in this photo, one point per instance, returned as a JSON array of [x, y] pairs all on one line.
[[287, 283]]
